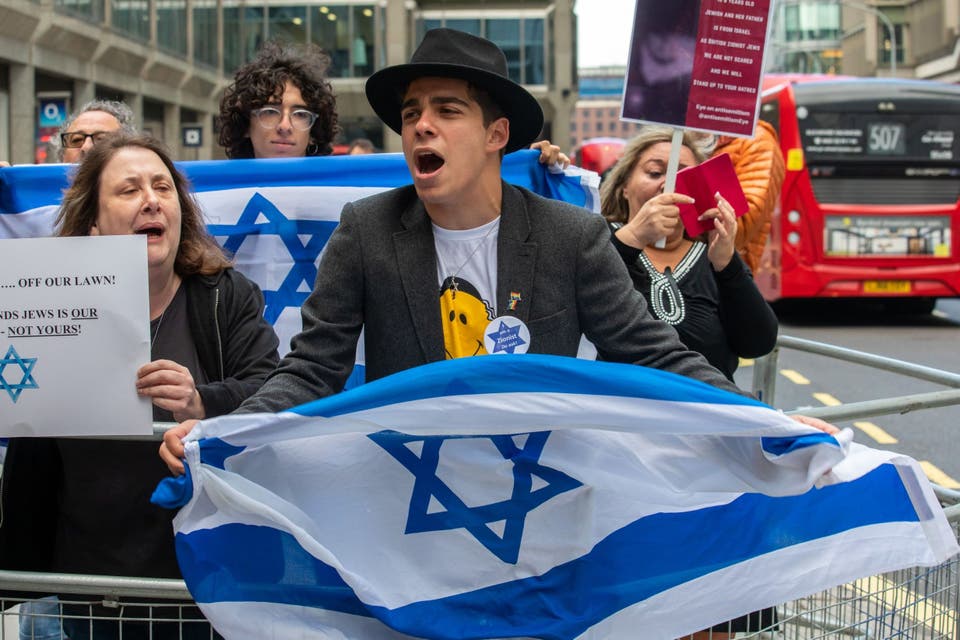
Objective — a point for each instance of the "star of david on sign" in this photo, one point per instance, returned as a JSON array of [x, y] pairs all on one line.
[[26, 373], [304, 239], [478, 520]]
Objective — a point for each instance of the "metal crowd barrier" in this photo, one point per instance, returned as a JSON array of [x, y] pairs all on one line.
[[920, 603], [765, 376], [132, 608]]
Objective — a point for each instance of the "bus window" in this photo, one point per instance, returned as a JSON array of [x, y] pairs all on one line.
[[770, 112]]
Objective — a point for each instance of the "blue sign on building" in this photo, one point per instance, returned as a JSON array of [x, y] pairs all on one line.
[[53, 111]]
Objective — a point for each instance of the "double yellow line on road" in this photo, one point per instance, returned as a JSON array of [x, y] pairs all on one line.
[[872, 430]]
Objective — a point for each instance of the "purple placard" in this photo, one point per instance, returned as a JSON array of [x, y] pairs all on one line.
[[697, 64]]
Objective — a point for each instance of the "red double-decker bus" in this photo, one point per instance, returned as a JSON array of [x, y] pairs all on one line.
[[870, 204]]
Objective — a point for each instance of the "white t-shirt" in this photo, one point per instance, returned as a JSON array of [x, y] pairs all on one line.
[[467, 279]]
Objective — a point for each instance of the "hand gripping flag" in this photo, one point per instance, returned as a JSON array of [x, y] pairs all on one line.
[[527, 496], [275, 216]]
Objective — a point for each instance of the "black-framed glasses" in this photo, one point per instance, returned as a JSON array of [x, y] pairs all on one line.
[[75, 139], [270, 117]]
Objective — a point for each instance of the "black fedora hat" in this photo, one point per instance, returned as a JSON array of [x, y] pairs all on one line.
[[449, 53]]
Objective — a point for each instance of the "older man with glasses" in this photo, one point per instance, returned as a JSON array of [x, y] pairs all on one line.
[[89, 125]]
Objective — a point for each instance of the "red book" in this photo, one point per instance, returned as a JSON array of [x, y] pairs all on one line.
[[701, 183]]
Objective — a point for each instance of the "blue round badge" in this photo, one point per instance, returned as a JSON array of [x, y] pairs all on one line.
[[506, 334]]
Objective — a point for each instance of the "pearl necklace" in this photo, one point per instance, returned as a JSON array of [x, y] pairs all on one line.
[[666, 300]]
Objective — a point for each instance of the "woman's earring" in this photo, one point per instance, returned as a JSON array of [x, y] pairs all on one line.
[[312, 148]]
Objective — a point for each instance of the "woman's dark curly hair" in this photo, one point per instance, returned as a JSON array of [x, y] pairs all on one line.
[[262, 81]]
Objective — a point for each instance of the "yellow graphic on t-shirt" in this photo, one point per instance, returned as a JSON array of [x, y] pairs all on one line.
[[464, 315]]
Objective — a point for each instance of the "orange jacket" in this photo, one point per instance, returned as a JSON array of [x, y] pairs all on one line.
[[759, 165]]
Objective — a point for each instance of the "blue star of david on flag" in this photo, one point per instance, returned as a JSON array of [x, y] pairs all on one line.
[[506, 338], [304, 239], [429, 489], [26, 369]]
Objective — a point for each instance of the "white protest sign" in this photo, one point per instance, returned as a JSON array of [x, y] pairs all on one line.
[[74, 329]]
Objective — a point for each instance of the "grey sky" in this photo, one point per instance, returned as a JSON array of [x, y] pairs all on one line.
[[604, 37]]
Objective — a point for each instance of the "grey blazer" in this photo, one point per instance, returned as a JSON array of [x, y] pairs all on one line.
[[379, 273]]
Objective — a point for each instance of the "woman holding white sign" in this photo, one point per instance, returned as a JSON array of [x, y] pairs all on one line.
[[219, 348], [211, 349]]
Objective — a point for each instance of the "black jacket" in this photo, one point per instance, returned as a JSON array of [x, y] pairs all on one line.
[[236, 346]]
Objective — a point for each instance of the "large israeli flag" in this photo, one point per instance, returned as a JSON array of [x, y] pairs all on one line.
[[527, 496], [275, 216]]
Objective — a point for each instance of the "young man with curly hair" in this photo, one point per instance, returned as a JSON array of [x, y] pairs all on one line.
[[280, 105]]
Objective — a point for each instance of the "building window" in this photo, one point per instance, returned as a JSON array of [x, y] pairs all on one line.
[[811, 21], [522, 39], [534, 62], [347, 34], [331, 31], [287, 24], [132, 17], [88, 9], [886, 45], [243, 33], [364, 25], [791, 23], [205, 32], [172, 26], [506, 33], [470, 25]]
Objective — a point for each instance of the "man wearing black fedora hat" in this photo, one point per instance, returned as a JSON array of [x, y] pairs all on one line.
[[461, 263]]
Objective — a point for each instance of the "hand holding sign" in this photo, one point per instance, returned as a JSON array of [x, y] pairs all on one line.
[[171, 386]]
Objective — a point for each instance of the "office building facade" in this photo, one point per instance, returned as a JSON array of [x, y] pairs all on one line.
[[171, 59], [597, 113], [906, 38]]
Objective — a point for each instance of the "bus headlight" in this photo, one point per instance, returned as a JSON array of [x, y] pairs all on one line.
[[793, 238], [794, 216]]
